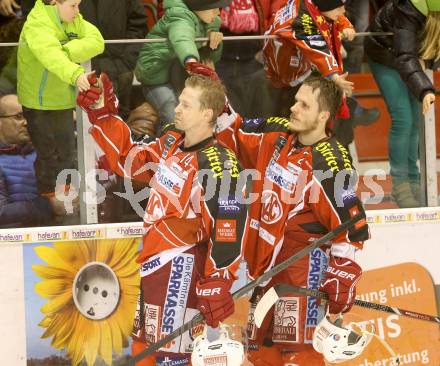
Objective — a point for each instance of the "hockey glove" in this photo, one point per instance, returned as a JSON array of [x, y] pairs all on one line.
[[100, 100], [214, 300], [342, 276], [196, 68]]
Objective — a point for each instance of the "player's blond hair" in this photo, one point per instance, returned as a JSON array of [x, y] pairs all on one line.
[[430, 48], [213, 95]]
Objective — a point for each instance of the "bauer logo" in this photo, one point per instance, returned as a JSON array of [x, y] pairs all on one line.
[[317, 263], [177, 296]]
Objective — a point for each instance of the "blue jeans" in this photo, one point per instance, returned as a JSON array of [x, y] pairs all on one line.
[[405, 111], [163, 99]]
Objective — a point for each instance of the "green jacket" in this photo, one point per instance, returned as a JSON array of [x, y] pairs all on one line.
[[49, 55], [181, 26]]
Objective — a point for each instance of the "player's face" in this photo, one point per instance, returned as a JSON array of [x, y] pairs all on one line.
[[305, 116], [189, 114], [68, 10], [334, 14]]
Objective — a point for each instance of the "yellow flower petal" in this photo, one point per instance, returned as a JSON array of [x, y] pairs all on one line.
[[105, 250], [105, 347], [125, 251], [51, 288], [92, 343], [49, 273], [58, 303], [52, 257], [73, 253]]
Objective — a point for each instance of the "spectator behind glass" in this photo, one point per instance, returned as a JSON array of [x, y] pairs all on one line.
[[395, 64], [9, 32], [181, 24], [117, 19], [55, 39], [20, 203]]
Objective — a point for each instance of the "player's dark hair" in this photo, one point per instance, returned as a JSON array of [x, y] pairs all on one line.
[[330, 95]]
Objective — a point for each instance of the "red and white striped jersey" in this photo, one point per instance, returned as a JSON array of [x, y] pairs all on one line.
[[299, 192], [195, 198]]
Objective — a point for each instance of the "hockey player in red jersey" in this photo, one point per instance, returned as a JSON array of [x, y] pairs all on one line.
[[309, 36], [306, 188], [194, 219]]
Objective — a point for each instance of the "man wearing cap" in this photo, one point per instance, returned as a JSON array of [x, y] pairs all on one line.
[[309, 36], [182, 23]]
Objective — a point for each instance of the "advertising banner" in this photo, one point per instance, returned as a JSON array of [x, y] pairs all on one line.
[[80, 301]]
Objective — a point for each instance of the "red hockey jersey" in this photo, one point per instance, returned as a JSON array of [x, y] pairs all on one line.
[[195, 198], [306, 40], [299, 192]]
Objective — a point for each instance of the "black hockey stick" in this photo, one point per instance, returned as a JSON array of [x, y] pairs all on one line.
[[271, 297], [250, 286]]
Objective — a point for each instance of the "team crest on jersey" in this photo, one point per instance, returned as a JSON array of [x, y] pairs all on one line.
[[271, 210], [155, 209]]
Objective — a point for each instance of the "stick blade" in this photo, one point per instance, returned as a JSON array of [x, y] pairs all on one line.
[[266, 302]]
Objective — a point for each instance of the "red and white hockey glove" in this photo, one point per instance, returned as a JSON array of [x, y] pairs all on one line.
[[342, 276], [196, 68], [214, 300], [99, 101]]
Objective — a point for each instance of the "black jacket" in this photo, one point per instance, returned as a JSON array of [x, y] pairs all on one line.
[[401, 50], [116, 19]]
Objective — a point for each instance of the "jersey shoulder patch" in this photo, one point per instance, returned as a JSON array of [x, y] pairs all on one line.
[[261, 125]]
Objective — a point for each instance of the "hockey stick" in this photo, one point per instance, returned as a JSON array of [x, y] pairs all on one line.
[[271, 297], [250, 286]]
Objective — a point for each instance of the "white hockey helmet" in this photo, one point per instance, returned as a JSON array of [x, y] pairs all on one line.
[[222, 351], [339, 343]]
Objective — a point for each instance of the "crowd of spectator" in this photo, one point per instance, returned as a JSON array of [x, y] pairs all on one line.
[[56, 36]]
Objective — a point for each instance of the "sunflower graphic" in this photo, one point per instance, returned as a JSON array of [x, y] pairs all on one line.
[[92, 288]]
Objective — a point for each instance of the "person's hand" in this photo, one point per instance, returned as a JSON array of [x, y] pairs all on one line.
[[208, 63], [8, 7], [342, 276], [214, 299], [82, 82], [345, 85], [428, 99], [99, 101], [349, 33], [215, 38], [197, 68]]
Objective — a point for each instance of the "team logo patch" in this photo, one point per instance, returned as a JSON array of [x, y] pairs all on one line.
[[172, 361], [228, 205], [286, 320], [169, 180], [281, 176], [176, 297], [226, 230], [271, 210], [317, 264], [151, 323]]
